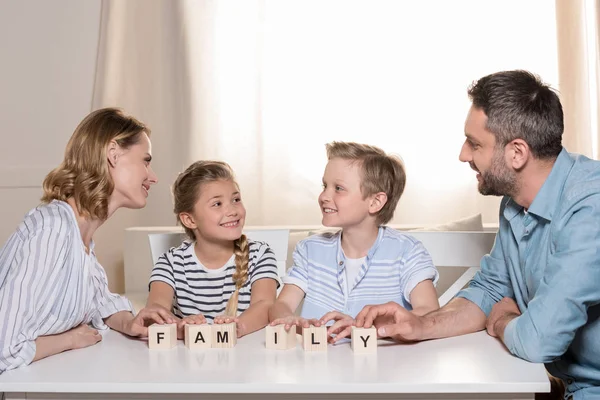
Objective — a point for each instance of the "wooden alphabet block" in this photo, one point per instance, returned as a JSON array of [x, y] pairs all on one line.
[[162, 336], [198, 336], [364, 340], [224, 335], [314, 338], [277, 337]]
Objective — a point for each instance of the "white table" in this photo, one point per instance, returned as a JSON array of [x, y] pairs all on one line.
[[473, 366]]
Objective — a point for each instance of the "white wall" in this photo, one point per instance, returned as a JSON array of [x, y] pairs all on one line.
[[48, 59]]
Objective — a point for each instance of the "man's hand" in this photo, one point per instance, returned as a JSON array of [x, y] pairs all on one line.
[[391, 320], [502, 313]]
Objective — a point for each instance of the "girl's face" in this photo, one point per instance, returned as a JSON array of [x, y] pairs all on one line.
[[218, 213], [131, 173]]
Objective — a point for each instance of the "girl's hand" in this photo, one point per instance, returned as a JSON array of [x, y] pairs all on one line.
[[295, 320], [197, 319], [226, 319]]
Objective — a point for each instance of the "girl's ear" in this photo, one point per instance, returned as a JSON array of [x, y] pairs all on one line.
[[187, 220]]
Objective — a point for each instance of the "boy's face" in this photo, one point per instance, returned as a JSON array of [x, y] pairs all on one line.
[[342, 203]]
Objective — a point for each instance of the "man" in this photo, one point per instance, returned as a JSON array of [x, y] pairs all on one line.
[[539, 288]]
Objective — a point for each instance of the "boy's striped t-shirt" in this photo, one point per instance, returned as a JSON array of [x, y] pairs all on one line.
[[199, 290], [393, 267]]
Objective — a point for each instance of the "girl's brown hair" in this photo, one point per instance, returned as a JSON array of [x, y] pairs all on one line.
[[83, 174], [186, 191]]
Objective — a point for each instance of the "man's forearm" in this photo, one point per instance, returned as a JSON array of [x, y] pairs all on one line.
[[458, 317]]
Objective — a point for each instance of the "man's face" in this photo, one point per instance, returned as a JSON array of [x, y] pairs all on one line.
[[480, 151]]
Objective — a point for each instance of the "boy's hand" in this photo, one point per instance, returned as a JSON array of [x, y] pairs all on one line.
[[391, 320], [295, 320], [341, 328]]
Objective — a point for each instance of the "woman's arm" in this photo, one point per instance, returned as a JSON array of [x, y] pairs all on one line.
[[76, 338]]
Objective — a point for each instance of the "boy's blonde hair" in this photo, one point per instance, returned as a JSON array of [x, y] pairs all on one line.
[[380, 172], [84, 172], [186, 191]]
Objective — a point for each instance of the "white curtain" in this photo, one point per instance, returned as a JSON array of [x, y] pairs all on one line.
[[579, 83], [265, 84]]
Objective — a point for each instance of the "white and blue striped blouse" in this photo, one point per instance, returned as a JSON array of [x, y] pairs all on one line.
[[49, 284]]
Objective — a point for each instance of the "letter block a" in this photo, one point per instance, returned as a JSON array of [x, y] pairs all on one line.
[[277, 338], [364, 340], [314, 338], [198, 336], [224, 336], [162, 336]]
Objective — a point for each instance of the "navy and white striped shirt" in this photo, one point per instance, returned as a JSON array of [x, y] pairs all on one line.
[[199, 290], [394, 265], [49, 284]]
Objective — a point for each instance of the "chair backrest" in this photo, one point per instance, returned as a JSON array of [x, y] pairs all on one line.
[[456, 249], [277, 239]]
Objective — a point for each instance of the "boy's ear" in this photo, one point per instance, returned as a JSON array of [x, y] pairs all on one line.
[[378, 200], [187, 220]]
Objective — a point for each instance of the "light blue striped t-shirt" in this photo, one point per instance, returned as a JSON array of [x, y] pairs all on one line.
[[394, 265]]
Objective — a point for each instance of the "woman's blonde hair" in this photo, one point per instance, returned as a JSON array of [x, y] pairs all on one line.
[[186, 191], [83, 174]]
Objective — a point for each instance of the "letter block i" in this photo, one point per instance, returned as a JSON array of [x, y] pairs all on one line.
[[224, 335], [364, 340], [280, 339], [162, 336], [198, 336], [314, 338]]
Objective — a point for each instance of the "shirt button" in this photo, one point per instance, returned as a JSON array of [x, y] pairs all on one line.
[[341, 263], [570, 381]]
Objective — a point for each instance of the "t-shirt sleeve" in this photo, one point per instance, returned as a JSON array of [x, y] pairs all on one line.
[[418, 267], [163, 269], [263, 264]]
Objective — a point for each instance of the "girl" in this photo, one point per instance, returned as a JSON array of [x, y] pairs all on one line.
[[51, 284], [218, 273]]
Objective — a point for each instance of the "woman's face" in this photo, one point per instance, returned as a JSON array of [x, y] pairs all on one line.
[[131, 173]]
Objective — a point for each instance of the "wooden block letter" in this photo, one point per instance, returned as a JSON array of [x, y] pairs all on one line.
[[198, 336], [314, 338], [364, 340], [162, 336], [224, 335], [277, 337]]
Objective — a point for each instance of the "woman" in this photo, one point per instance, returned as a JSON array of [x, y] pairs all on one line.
[[51, 284]]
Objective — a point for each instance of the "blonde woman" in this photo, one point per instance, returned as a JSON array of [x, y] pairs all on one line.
[[218, 274], [51, 284]]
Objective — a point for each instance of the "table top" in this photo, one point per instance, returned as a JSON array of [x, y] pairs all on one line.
[[474, 363]]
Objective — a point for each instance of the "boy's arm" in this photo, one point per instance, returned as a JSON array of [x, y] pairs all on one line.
[[423, 298]]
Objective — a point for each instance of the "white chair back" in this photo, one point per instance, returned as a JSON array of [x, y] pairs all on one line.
[[277, 239], [456, 249]]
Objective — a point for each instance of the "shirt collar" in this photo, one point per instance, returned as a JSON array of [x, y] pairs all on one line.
[[546, 199]]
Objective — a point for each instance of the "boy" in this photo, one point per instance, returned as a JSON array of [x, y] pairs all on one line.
[[365, 262]]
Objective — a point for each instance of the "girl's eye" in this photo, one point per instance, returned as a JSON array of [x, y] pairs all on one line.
[[237, 200], [338, 188], [217, 204]]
